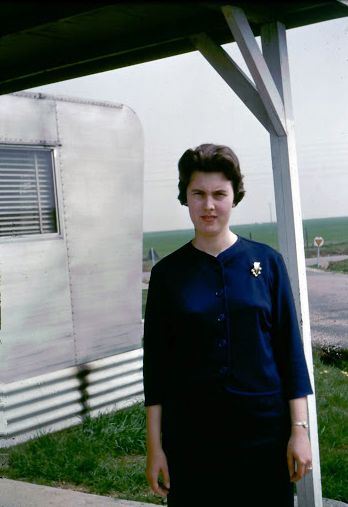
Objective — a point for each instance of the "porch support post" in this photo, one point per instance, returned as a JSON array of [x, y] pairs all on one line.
[[269, 94], [290, 231]]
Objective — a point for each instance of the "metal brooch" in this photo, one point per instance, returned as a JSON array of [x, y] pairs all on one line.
[[256, 269]]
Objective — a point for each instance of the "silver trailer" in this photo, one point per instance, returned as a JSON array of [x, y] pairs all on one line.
[[71, 199]]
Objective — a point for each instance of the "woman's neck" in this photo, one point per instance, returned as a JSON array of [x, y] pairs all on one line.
[[214, 245]]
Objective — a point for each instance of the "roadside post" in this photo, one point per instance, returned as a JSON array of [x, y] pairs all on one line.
[[318, 242]]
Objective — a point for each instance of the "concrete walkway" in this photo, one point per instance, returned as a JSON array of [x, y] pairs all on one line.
[[23, 494]]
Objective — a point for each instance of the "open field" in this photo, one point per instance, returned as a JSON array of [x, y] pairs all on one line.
[[333, 230]]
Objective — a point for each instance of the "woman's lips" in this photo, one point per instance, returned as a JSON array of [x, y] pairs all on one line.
[[208, 218]]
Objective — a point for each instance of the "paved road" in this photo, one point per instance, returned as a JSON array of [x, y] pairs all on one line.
[[328, 306]]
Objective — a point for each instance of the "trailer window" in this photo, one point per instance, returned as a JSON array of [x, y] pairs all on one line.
[[27, 192]]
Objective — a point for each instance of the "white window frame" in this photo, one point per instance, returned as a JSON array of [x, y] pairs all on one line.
[[42, 234]]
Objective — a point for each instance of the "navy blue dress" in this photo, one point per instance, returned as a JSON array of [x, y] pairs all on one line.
[[223, 355]]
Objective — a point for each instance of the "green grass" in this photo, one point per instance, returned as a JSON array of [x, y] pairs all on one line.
[[106, 455], [333, 230], [165, 242], [332, 407], [103, 455], [340, 266]]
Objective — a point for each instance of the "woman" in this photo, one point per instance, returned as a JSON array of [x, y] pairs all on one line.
[[225, 378]]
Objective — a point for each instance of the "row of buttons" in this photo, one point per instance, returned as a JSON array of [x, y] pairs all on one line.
[[221, 318]]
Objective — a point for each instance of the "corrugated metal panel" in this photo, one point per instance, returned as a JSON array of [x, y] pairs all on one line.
[[57, 400]]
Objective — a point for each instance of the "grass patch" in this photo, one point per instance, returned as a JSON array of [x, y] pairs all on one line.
[[333, 355], [328, 249], [331, 376], [339, 266], [106, 455]]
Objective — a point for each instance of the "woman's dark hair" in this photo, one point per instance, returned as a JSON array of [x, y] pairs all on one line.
[[210, 158]]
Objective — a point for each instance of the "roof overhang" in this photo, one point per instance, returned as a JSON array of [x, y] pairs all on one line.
[[65, 40]]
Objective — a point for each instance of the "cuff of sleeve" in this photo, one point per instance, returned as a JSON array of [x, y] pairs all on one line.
[[299, 394], [152, 401]]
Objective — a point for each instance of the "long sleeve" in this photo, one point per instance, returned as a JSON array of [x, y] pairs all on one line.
[[287, 338], [154, 342]]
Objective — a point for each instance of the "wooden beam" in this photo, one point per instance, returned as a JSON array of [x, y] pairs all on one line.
[[243, 35], [234, 77], [290, 232]]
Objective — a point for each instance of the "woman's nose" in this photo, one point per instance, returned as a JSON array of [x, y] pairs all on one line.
[[209, 203]]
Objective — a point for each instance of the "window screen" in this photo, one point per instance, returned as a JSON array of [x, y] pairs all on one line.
[[27, 192]]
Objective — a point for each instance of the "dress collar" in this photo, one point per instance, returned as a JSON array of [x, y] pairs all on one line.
[[228, 252]]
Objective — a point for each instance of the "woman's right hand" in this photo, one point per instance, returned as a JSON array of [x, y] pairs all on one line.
[[156, 467]]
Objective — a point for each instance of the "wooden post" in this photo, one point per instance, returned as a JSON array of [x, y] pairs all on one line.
[[290, 232], [257, 66]]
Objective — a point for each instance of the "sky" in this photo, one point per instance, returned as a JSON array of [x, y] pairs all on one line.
[[182, 102]]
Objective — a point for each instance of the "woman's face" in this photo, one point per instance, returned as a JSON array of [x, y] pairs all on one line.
[[210, 199]]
